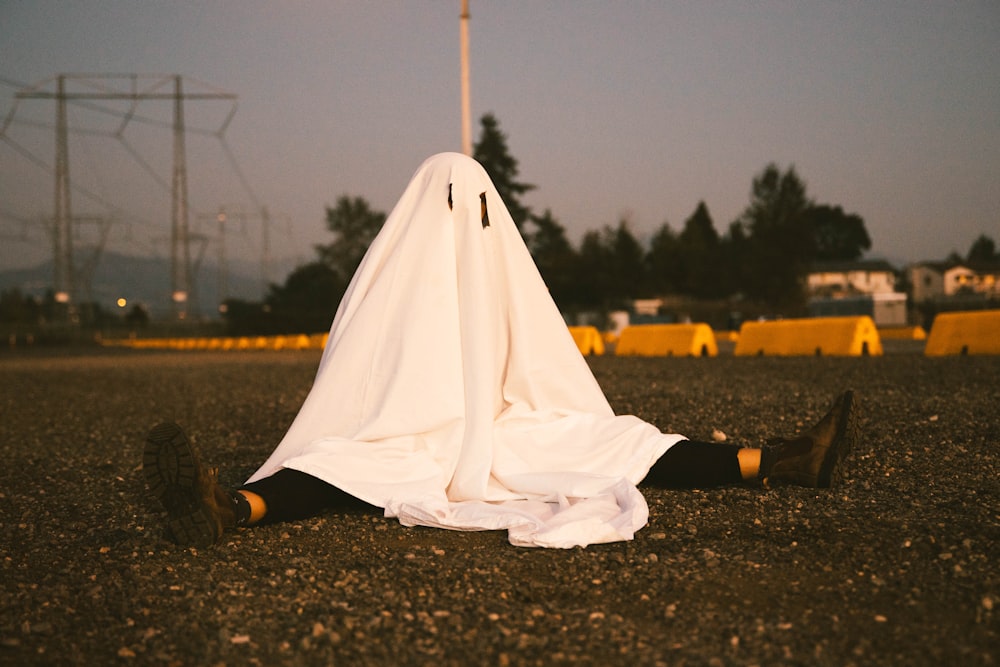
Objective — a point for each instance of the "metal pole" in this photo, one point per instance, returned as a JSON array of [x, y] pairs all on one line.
[[180, 251], [265, 251], [466, 113], [223, 268], [62, 233]]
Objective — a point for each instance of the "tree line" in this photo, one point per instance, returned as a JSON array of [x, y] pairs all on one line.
[[759, 263], [761, 259]]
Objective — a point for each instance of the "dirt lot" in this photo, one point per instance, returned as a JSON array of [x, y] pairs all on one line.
[[897, 566]]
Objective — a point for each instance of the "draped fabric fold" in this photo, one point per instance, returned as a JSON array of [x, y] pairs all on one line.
[[451, 393]]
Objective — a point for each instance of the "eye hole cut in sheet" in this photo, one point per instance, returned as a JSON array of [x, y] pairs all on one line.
[[482, 200]]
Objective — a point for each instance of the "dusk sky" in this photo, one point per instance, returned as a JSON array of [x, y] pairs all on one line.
[[612, 109]]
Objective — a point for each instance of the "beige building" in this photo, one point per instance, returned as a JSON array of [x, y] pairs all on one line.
[[862, 287], [862, 277], [936, 280], [926, 281]]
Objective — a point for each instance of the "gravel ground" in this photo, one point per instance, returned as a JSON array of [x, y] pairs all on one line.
[[897, 566]]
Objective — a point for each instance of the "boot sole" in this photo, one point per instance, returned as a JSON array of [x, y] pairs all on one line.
[[171, 469], [831, 470]]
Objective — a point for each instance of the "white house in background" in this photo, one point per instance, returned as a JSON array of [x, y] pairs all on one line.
[[840, 279], [943, 280], [861, 287], [927, 280], [973, 278]]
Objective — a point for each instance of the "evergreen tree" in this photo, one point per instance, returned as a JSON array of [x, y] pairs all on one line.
[[780, 245], [555, 258], [700, 256], [983, 250], [732, 249], [611, 268], [491, 151], [628, 266], [665, 262], [593, 274]]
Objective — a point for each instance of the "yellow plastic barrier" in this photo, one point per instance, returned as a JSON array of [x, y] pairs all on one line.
[[902, 333], [299, 342], [834, 336], [588, 340], [973, 332], [661, 340], [289, 342]]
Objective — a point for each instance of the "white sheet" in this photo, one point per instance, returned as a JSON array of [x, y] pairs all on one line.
[[451, 393]]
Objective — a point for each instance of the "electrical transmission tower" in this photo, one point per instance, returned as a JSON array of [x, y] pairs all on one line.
[[122, 87]]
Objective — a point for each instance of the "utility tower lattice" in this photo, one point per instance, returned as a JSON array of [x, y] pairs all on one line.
[[106, 87]]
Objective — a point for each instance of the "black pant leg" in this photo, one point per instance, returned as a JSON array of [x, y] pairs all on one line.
[[291, 495], [691, 465]]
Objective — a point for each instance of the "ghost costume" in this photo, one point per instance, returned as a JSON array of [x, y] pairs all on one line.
[[450, 392]]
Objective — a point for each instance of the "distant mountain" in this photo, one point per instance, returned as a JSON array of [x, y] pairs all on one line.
[[144, 280]]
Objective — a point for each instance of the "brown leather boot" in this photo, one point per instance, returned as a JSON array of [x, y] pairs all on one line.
[[814, 457], [198, 509]]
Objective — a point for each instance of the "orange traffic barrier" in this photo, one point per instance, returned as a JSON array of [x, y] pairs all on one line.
[[835, 336], [972, 332], [661, 340], [588, 340]]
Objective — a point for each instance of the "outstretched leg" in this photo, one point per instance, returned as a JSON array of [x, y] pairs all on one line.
[[198, 509], [691, 464], [289, 495], [814, 458]]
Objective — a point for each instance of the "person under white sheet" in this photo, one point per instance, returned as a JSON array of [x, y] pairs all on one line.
[[451, 394]]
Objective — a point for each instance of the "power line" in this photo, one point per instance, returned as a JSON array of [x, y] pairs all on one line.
[[83, 92], [181, 282], [48, 168], [31, 157], [239, 172]]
